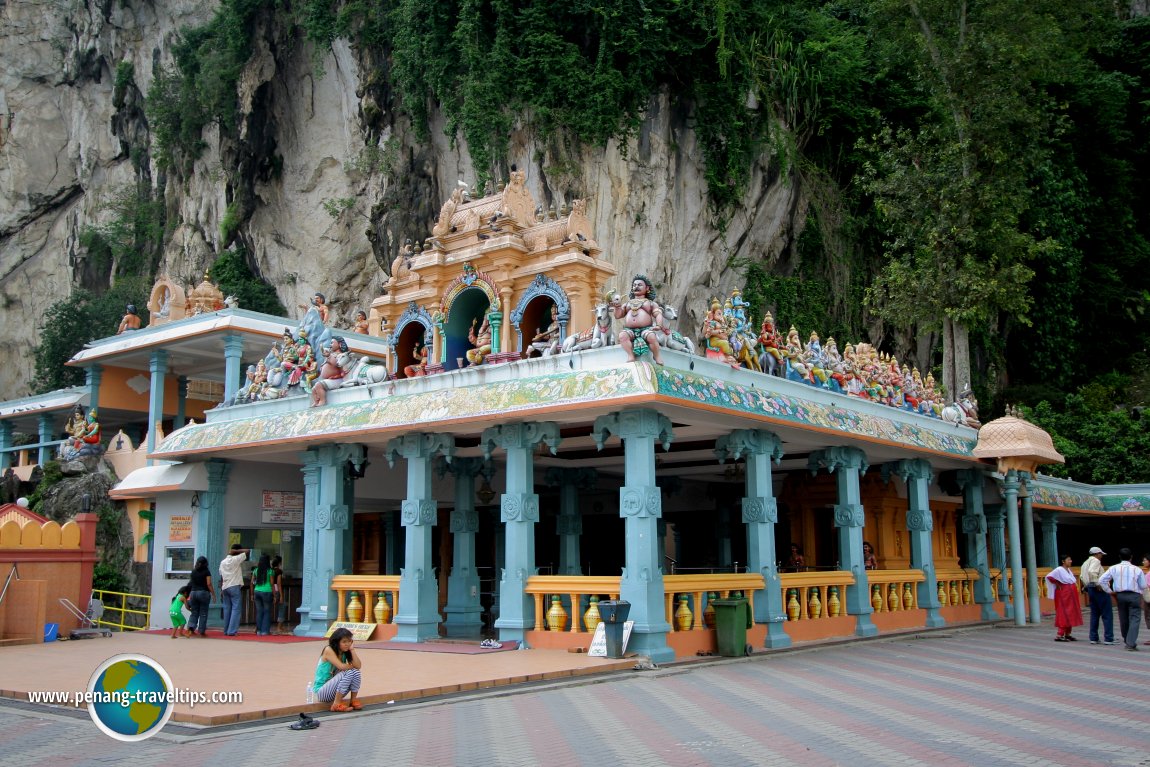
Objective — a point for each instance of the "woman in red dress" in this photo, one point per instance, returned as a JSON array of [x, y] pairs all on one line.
[[1062, 587]]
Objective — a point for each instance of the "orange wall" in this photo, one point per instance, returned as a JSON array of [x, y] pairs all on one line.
[[116, 394]]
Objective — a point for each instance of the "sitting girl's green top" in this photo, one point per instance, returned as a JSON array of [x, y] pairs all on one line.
[[324, 671]]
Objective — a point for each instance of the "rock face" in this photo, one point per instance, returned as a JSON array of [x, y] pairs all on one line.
[[324, 177]]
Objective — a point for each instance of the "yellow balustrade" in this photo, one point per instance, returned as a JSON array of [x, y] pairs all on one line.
[[116, 602], [369, 587], [696, 585], [808, 596], [574, 587]]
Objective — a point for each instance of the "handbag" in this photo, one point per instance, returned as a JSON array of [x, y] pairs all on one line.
[[1146, 594]]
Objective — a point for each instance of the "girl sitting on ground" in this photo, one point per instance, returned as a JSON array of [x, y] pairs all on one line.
[[176, 612], [337, 673]]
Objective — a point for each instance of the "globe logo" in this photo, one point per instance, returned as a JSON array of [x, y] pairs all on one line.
[[130, 697]]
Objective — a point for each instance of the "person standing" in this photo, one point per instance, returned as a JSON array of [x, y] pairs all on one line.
[[200, 597], [231, 587], [1146, 591], [279, 605], [1101, 607], [1061, 586], [262, 595], [1126, 582]]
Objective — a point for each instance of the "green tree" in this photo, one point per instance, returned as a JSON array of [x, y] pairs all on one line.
[[78, 319], [234, 277], [953, 187]]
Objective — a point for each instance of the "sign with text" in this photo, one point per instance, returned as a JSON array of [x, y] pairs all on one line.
[[360, 632], [283, 516], [282, 499], [180, 528], [598, 647]]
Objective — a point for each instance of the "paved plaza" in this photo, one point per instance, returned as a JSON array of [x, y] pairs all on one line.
[[1000, 695]]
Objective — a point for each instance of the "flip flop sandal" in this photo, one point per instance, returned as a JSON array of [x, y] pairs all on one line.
[[305, 723], [339, 708], [356, 705]]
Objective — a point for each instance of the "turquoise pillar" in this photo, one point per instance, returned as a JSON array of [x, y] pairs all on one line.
[[500, 557], [919, 524], [212, 526], [1048, 521], [181, 403], [7, 441], [92, 376], [1010, 493], [462, 612], [1027, 521], [158, 365], [974, 527], [233, 350], [569, 523], [760, 514], [417, 616], [848, 463], [327, 515], [996, 539], [44, 453], [641, 506], [519, 511]]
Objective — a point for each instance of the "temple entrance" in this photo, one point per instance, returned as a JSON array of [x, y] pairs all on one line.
[[469, 307]]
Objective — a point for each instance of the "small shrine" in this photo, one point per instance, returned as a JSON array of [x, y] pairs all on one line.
[[500, 279]]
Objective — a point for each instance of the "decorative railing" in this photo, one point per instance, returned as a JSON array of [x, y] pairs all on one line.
[[683, 591], [893, 591], [955, 586], [813, 595], [574, 587], [117, 602], [376, 591]]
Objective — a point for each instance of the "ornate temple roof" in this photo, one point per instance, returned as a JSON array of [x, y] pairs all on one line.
[[1017, 444]]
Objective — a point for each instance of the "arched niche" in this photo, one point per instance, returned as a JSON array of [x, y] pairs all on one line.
[[167, 302], [534, 310], [414, 328], [466, 301]]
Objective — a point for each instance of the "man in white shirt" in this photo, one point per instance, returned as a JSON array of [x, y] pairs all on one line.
[[231, 587], [1100, 605], [1125, 582]]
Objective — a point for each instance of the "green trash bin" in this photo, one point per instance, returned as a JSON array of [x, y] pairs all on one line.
[[732, 619]]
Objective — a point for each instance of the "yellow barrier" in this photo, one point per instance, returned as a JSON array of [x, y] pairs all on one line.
[[123, 610], [813, 595], [372, 587], [894, 590]]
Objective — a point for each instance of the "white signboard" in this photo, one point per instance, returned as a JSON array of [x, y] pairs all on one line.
[[598, 647], [282, 517]]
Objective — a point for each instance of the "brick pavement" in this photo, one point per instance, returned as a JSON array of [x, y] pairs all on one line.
[[988, 696]]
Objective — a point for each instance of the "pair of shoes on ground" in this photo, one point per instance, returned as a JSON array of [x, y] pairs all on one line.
[[1132, 649], [491, 644], [305, 723], [340, 708], [1061, 639]]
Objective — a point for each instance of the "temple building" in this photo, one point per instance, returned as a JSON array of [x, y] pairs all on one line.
[[488, 460]]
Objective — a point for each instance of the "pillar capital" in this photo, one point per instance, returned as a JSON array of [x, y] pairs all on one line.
[[837, 457], [636, 422], [973, 477], [464, 468], [909, 468], [158, 361], [742, 442], [233, 344], [420, 445], [520, 434]]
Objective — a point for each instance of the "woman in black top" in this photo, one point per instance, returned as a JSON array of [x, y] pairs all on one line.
[[200, 598]]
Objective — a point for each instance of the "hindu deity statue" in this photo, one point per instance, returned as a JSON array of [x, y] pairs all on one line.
[[480, 340], [83, 435], [419, 367], [770, 343], [546, 341], [715, 333], [815, 359], [797, 368], [642, 316]]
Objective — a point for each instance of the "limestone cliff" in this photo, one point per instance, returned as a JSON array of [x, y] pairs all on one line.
[[69, 136]]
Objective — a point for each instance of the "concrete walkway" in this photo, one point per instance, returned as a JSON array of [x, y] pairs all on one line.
[[273, 676]]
